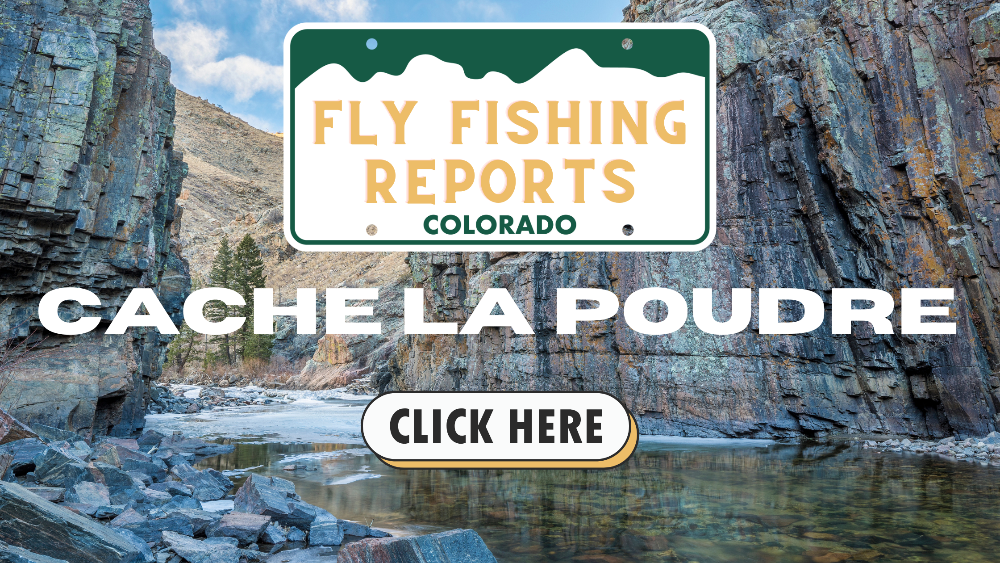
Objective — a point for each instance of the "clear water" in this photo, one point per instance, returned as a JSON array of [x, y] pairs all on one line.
[[691, 502]]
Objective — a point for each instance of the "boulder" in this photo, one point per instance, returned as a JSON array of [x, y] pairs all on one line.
[[24, 452], [12, 430], [113, 478], [246, 528], [361, 531], [144, 551], [141, 477], [77, 448], [127, 443], [51, 434], [174, 458], [221, 540], [283, 485], [12, 554], [456, 546], [173, 488], [155, 471], [194, 551], [130, 496], [274, 497], [130, 516], [273, 535], [355, 529], [180, 502], [35, 524], [151, 530], [6, 460], [295, 535], [200, 519], [149, 439], [56, 469], [200, 448], [81, 508], [207, 485], [109, 511], [156, 498], [106, 453], [125, 453], [258, 495], [51, 494], [326, 529], [87, 492], [300, 514], [251, 555], [220, 478]]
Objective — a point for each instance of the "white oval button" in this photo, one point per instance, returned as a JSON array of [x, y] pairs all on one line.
[[499, 429]]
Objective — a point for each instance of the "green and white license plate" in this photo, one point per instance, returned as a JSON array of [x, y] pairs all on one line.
[[515, 137]]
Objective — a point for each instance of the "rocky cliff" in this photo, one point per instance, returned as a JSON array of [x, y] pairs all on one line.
[[88, 180], [857, 147]]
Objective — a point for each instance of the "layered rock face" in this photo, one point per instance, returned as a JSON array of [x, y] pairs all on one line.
[[88, 180], [857, 147]]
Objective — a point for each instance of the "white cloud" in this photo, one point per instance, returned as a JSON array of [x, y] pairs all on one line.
[[329, 10], [336, 10], [190, 44], [194, 48], [481, 9], [182, 7]]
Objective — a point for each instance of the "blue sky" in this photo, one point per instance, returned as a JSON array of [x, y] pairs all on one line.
[[230, 51]]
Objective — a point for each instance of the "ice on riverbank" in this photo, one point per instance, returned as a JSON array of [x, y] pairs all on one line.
[[706, 442], [330, 416], [319, 456], [352, 478]]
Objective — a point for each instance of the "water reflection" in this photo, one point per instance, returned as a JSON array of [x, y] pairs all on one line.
[[670, 502]]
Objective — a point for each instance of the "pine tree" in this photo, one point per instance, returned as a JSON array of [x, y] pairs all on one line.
[[248, 274], [222, 276], [181, 348]]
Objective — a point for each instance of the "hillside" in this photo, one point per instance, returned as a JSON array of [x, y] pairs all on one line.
[[234, 188]]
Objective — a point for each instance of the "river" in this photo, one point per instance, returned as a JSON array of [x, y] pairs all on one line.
[[690, 500]]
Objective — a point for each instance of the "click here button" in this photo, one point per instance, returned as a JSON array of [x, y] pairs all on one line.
[[499, 429]]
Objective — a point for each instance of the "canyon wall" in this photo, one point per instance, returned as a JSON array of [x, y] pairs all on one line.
[[88, 181], [857, 147]]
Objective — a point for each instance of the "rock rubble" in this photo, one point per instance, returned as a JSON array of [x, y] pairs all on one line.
[[141, 500], [172, 399], [985, 449]]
